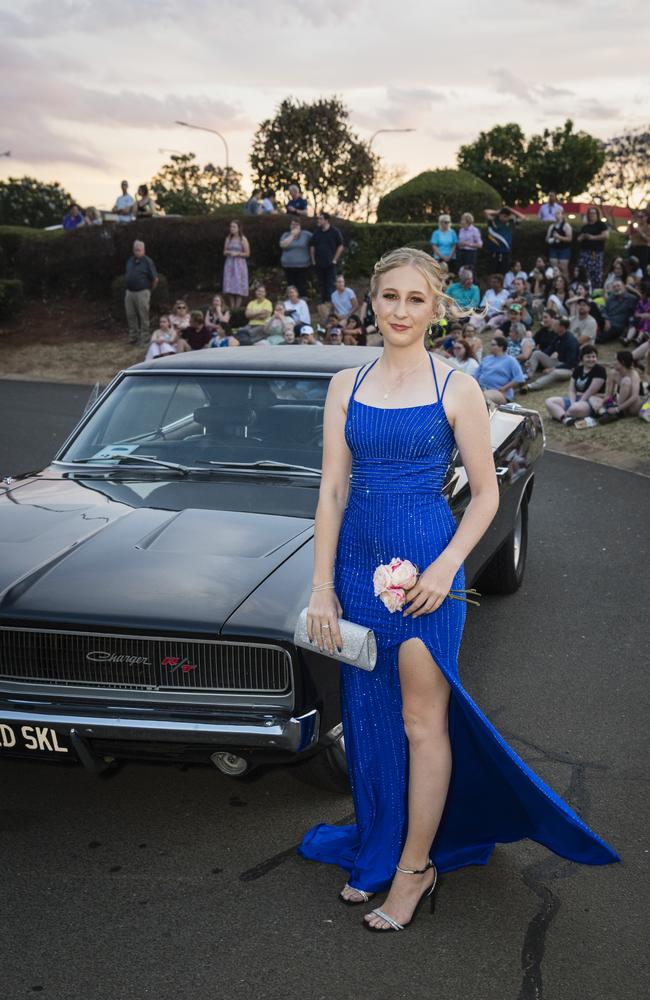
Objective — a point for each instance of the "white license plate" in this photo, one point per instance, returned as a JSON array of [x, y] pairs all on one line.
[[30, 740]]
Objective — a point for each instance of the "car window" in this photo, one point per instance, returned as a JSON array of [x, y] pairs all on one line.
[[208, 418]]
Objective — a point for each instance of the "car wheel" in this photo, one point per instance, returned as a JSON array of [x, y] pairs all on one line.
[[505, 571], [327, 769]]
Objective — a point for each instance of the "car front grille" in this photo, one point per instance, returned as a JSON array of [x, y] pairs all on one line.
[[142, 663]]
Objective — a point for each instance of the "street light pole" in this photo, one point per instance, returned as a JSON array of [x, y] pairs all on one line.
[[203, 128]]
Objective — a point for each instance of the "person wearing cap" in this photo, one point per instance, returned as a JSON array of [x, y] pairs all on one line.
[[444, 240], [307, 335]]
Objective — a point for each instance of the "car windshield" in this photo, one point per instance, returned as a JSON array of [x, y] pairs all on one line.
[[202, 419]]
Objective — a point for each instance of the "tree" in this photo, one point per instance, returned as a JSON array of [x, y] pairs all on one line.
[[559, 160], [386, 178], [564, 161], [25, 201], [624, 177], [499, 158], [183, 187], [313, 146]]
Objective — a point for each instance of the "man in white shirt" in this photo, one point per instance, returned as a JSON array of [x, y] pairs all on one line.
[[125, 204], [343, 299], [548, 212]]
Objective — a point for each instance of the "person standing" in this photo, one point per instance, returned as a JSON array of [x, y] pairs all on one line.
[[559, 236], [141, 278], [236, 250], [295, 258], [592, 239], [469, 242], [501, 227], [550, 210], [125, 204], [297, 205], [444, 240], [434, 784], [325, 250]]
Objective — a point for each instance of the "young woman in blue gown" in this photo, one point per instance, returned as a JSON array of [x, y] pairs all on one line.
[[434, 784]]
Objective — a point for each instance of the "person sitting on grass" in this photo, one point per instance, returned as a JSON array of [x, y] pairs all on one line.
[[258, 311], [197, 334], [465, 291], [217, 314], [221, 337], [622, 395], [275, 326], [639, 329], [617, 312], [462, 357], [164, 340], [354, 328], [343, 300], [295, 307], [180, 316], [587, 379], [512, 274], [493, 303], [557, 362], [583, 326], [520, 343], [498, 373]]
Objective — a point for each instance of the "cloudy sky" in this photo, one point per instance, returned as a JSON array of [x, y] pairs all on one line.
[[89, 89]]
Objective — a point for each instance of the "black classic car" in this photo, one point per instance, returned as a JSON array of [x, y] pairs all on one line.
[[151, 576]]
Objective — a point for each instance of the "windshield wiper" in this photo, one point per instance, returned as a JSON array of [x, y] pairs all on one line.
[[138, 459], [267, 463]]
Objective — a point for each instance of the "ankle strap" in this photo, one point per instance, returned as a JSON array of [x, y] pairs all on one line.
[[416, 871]]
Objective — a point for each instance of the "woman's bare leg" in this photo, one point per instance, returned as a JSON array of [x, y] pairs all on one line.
[[425, 701]]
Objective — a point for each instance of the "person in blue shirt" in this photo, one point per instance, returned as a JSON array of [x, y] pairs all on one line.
[[444, 240], [73, 218], [464, 291], [499, 373]]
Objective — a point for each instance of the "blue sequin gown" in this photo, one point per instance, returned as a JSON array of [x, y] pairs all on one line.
[[395, 508]]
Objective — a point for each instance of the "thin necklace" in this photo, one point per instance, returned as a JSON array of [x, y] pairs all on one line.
[[400, 378]]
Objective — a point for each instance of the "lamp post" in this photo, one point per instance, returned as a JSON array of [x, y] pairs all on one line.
[[374, 135], [203, 128]]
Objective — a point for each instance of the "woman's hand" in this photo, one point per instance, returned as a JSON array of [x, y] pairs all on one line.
[[430, 590], [323, 616]]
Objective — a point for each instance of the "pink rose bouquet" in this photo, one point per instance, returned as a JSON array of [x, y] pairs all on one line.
[[392, 580]]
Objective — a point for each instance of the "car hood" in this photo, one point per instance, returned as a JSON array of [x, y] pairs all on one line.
[[73, 556]]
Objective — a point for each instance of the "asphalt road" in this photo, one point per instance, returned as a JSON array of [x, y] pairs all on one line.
[[169, 884]]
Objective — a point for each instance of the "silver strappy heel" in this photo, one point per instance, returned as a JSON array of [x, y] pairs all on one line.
[[428, 893], [365, 896]]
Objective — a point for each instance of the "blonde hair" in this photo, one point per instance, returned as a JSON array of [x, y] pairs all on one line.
[[467, 217], [430, 270]]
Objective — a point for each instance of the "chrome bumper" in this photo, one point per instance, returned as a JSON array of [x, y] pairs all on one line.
[[271, 731]]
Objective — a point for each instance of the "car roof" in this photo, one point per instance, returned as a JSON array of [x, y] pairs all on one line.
[[297, 358]]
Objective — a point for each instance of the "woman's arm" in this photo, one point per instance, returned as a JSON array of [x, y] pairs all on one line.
[[594, 387], [468, 416], [324, 606]]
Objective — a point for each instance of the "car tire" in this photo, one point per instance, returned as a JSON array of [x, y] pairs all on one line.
[[326, 769], [505, 571]]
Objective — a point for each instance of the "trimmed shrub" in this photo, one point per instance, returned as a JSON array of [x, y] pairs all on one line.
[[424, 197], [160, 297], [11, 297]]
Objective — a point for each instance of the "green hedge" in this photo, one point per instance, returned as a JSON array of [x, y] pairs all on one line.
[[189, 251], [429, 194], [11, 297]]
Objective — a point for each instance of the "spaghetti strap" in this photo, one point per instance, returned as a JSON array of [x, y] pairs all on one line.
[[449, 374], [435, 378], [357, 380]]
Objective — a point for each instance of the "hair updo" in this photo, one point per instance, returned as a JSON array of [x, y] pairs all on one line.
[[444, 305]]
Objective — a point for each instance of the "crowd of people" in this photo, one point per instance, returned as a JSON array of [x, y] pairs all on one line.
[[532, 326]]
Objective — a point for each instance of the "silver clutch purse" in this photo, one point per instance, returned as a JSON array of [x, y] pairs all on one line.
[[359, 643]]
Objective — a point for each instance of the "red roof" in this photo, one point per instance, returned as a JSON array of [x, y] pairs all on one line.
[[580, 208]]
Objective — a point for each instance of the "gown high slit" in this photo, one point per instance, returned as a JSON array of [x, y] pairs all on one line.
[[395, 508]]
